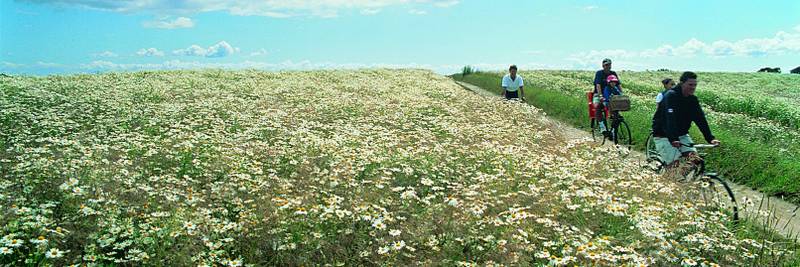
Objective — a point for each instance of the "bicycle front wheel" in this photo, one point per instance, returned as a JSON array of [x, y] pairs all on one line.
[[716, 194], [597, 134], [651, 156], [622, 137]]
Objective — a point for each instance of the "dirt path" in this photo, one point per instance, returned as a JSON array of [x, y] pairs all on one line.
[[769, 211]]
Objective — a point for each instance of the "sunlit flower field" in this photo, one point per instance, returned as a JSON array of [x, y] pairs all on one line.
[[370, 167]]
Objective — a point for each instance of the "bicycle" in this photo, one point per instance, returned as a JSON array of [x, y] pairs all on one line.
[[713, 190], [619, 132]]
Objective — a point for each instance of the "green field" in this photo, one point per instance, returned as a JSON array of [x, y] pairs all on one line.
[[755, 115], [335, 168]]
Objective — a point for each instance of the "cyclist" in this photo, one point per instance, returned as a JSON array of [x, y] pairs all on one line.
[[674, 116], [612, 88], [668, 83], [600, 82], [512, 84]]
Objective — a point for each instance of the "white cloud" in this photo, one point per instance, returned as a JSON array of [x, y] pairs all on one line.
[[446, 3], [25, 12], [370, 11], [589, 8], [165, 23], [47, 64], [417, 12], [221, 49], [594, 58], [271, 8], [7, 64], [260, 52], [103, 65], [150, 52], [105, 54], [782, 43], [533, 52], [193, 50]]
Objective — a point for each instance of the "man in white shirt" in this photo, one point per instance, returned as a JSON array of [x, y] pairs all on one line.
[[512, 84]]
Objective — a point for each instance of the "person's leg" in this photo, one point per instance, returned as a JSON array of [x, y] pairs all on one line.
[[685, 150], [511, 95], [599, 116], [666, 151], [686, 139], [604, 117]]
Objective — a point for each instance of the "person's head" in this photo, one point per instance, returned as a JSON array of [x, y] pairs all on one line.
[[612, 80], [688, 83], [513, 70], [668, 83], [606, 64]]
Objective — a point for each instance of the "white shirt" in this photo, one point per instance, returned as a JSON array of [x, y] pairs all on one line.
[[512, 85]]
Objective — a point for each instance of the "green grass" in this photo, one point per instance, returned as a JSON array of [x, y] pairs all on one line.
[[756, 162]]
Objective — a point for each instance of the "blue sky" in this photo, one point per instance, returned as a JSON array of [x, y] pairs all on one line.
[[73, 36]]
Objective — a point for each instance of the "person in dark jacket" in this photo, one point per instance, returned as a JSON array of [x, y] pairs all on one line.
[[675, 115]]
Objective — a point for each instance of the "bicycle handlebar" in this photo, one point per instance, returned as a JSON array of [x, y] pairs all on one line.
[[700, 145]]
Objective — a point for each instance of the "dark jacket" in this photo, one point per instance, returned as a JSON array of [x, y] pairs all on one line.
[[600, 78], [676, 113]]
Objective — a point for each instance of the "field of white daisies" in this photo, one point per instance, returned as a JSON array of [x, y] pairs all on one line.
[[343, 168]]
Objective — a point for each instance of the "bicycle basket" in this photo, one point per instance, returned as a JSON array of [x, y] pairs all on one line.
[[619, 103]]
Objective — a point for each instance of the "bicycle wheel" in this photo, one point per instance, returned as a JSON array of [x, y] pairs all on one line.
[[651, 156], [622, 137], [716, 194], [597, 134]]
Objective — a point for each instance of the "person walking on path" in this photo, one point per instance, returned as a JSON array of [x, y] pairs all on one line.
[[513, 85]]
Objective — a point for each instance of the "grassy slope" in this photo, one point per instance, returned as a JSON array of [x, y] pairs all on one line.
[[757, 163]]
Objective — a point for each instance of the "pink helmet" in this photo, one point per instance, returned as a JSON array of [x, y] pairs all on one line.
[[612, 78]]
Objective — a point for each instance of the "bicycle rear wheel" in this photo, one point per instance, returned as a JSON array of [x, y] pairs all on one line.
[[716, 194], [651, 156], [597, 134]]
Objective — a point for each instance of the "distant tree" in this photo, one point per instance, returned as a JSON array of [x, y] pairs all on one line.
[[467, 70], [771, 70], [663, 70], [796, 70]]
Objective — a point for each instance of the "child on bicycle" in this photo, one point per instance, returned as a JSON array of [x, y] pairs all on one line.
[[668, 83], [612, 88]]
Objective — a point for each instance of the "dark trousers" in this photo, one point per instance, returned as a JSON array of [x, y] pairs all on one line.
[[510, 95]]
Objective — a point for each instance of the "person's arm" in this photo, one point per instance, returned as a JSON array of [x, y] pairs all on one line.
[[521, 85], [597, 89], [504, 84], [700, 119]]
